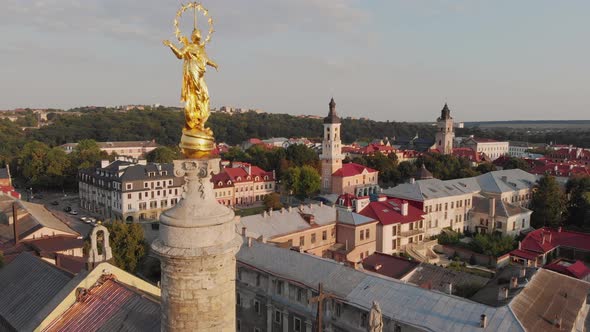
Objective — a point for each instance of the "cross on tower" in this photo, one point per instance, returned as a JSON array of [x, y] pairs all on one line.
[[320, 301]]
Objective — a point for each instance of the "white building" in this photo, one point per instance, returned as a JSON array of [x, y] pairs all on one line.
[[129, 190], [492, 148], [132, 149]]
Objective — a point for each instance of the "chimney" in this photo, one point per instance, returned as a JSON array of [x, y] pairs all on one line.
[[483, 321], [559, 229], [378, 267], [58, 260], [522, 272], [15, 222], [404, 209], [412, 180], [513, 283], [503, 293], [282, 210], [492, 206], [244, 231], [542, 238], [449, 288], [519, 245], [249, 242], [290, 209], [270, 212], [321, 203]]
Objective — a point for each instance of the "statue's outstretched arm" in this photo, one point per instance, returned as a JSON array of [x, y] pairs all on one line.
[[174, 49], [212, 63]]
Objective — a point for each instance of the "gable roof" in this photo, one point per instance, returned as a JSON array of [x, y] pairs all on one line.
[[352, 169], [546, 239], [352, 218], [575, 269], [110, 305], [389, 212], [547, 296], [27, 284], [503, 209], [409, 304]]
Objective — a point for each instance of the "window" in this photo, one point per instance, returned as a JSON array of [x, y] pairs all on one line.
[[338, 309], [296, 324], [446, 206], [128, 206], [513, 225], [393, 245], [301, 241], [300, 296], [363, 320], [452, 205], [278, 315], [394, 231], [129, 196], [498, 224], [257, 307], [279, 288], [324, 235], [362, 234], [129, 186], [367, 234], [313, 238], [238, 300], [258, 279], [522, 223]]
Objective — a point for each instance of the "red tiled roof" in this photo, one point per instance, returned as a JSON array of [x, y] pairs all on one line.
[[352, 169], [346, 200], [577, 270], [239, 175], [389, 212], [388, 265], [470, 154], [553, 238], [373, 148], [104, 304], [561, 169]]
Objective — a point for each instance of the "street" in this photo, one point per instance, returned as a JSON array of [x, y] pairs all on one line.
[[71, 200]]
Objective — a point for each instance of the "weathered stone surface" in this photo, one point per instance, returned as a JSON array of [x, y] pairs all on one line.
[[197, 247]]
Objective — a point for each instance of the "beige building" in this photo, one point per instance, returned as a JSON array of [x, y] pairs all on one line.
[[490, 215], [448, 204], [492, 148], [339, 178], [243, 184], [132, 149], [445, 132], [129, 190], [320, 230]]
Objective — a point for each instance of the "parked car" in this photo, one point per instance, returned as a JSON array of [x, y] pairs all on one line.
[[73, 212], [55, 203], [68, 209], [83, 218], [92, 220]]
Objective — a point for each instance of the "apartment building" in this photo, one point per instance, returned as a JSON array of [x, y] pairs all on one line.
[[129, 190], [492, 148], [449, 204], [320, 230], [399, 223], [132, 149], [243, 184]]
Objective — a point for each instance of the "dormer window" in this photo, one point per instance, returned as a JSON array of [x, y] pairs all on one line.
[[220, 183], [239, 178], [266, 177], [229, 183], [257, 178]]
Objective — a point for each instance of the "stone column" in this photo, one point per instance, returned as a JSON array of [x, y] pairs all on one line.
[[197, 244]]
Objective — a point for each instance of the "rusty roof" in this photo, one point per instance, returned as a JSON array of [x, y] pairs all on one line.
[[549, 296], [110, 306]]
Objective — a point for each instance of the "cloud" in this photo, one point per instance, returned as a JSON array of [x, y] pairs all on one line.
[[151, 20]]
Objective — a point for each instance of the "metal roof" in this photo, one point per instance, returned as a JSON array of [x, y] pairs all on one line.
[[409, 304], [286, 222], [27, 284]]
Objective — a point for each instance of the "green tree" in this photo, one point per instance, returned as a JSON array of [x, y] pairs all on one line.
[[57, 165], [163, 154], [310, 181], [86, 154], [492, 244], [128, 244], [514, 163], [272, 201], [31, 162], [485, 168], [578, 206], [548, 203], [303, 181]]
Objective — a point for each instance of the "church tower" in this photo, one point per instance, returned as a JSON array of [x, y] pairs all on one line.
[[444, 131], [331, 157]]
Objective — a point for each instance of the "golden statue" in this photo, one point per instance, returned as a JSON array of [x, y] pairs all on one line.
[[197, 141]]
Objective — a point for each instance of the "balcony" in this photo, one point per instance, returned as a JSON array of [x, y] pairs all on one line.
[[412, 232]]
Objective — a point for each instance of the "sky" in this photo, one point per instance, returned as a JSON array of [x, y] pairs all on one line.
[[397, 60]]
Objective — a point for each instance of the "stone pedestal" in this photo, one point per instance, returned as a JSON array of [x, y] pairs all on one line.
[[197, 246]]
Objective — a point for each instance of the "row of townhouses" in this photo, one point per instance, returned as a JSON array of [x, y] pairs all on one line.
[[131, 190]]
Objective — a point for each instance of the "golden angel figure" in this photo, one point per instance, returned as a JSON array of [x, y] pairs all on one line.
[[194, 89]]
